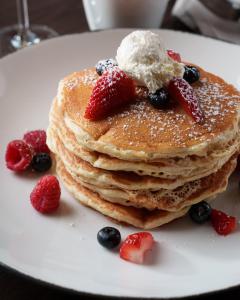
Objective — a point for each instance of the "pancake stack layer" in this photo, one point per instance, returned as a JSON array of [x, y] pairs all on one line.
[[144, 166]]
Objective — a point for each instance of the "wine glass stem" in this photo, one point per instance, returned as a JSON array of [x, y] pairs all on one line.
[[23, 17], [24, 37]]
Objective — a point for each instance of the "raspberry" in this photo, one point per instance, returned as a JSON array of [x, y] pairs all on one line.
[[180, 90], [222, 223], [18, 155], [135, 246], [37, 139], [45, 197], [112, 90]]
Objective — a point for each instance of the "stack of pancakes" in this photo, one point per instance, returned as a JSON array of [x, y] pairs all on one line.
[[141, 165]]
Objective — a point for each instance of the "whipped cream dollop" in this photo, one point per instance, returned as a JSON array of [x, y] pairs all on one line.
[[143, 56]]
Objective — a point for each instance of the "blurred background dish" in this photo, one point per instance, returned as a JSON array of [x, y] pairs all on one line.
[[103, 14], [217, 18]]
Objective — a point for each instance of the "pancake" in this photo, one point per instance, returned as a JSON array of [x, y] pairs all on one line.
[[83, 171], [187, 169], [144, 166], [170, 200], [164, 133], [140, 218]]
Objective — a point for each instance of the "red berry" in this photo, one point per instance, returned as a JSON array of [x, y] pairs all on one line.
[[222, 223], [180, 90], [174, 55], [112, 90], [45, 197], [135, 246], [37, 139], [18, 155]]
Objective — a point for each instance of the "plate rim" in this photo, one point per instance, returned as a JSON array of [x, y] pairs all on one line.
[[41, 282], [72, 291]]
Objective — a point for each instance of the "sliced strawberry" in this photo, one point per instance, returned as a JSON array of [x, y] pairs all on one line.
[[180, 90], [135, 246], [222, 223], [112, 90], [174, 55]]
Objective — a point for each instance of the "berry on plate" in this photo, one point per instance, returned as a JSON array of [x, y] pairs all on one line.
[[104, 65], [191, 74], [41, 162], [180, 90], [223, 223], [18, 155], [37, 139], [200, 212], [135, 246], [112, 90], [109, 237], [45, 197], [159, 99], [174, 55]]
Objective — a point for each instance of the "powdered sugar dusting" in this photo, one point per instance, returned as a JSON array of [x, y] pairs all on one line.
[[87, 78], [218, 103]]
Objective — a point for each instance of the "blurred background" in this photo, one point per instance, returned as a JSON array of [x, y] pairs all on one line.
[[215, 18]]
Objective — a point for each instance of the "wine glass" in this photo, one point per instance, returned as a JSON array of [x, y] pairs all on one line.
[[21, 35]]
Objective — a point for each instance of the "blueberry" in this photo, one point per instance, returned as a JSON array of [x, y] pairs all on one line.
[[191, 74], [104, 65], [200, 212], [109, 237], [159, 99], [41, 162]]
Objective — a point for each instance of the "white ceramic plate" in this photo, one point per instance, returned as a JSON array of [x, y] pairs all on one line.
[[62, 249]]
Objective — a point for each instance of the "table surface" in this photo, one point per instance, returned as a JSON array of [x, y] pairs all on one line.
[[65, 17]]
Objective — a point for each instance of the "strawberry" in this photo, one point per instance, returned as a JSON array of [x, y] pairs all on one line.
[[135, 246], [180, 90], [174, 55], [18, 155], [222, 223], [37, 139], [45, 196], [112, 90]]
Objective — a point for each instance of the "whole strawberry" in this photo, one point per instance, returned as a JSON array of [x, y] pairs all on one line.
[[45, 197], [112, 90]]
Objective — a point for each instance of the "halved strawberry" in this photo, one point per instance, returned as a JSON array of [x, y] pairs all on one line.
[[222, 223], [112, 90], [174, 55], [180, 90], [135, 246]]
